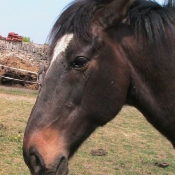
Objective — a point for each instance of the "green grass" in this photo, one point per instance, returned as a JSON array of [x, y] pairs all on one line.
[[18, 91], [133, 146]]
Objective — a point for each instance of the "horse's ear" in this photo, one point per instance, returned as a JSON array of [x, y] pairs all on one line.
[[111, 12]]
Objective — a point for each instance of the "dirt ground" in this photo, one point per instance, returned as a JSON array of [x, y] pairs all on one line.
[[13, 97]]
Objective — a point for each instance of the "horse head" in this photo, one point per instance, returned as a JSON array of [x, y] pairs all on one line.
[[85, 85]]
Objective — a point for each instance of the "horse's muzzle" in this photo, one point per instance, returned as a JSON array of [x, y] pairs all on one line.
[[37, 166]]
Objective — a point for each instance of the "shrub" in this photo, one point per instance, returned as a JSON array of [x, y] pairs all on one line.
[[26, 39]]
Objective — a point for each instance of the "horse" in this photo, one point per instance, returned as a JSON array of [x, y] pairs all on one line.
[[104, 54]]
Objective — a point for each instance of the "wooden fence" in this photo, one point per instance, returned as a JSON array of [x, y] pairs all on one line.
[[21, 70]]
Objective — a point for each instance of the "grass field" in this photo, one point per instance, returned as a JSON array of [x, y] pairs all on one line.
[[133, 146]]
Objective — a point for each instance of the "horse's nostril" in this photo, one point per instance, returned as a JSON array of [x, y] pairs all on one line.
[[35, 164]]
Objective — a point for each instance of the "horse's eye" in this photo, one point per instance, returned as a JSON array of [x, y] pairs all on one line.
[[79, 62]]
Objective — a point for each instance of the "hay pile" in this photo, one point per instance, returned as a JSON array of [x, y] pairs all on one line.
[[15, 62]]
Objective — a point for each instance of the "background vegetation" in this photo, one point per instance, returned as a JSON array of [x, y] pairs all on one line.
[[27, 39]]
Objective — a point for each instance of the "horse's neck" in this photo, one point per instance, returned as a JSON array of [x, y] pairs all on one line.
[[152, 89]]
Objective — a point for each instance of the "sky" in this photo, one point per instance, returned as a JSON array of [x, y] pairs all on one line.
[[30, 18]]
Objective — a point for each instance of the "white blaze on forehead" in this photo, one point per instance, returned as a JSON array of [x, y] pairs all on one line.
[[61, 46]]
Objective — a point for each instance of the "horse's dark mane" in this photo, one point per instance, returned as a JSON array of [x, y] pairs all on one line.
[[75, 19], [147, 17]]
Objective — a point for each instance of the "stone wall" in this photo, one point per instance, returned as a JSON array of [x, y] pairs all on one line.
[[35, 53]]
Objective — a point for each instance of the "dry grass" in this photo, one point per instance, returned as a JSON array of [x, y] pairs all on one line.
[[15, 106], [133, 146]]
